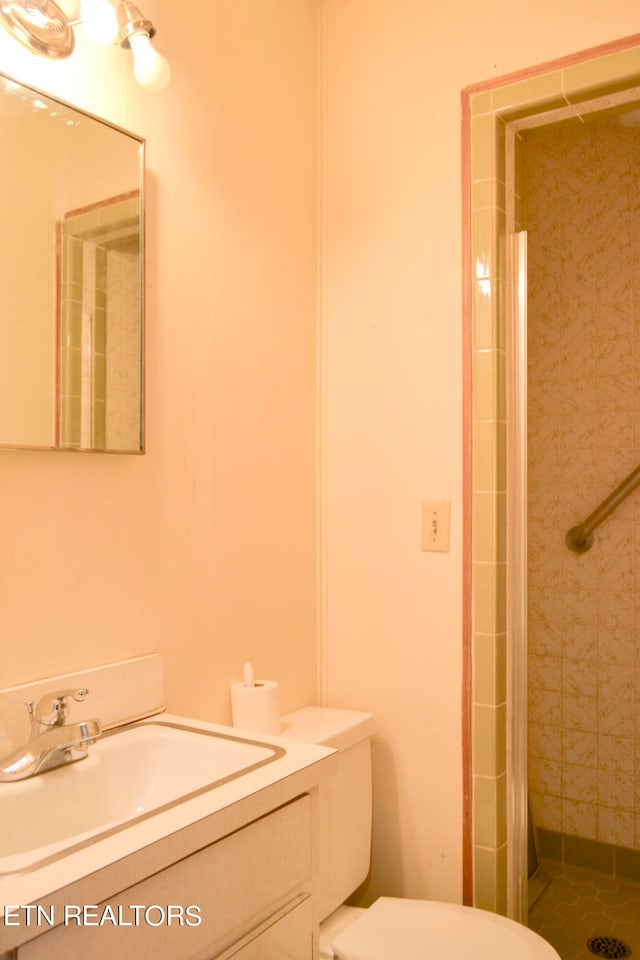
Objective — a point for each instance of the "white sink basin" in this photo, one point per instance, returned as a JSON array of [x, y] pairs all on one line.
[[129, 774]]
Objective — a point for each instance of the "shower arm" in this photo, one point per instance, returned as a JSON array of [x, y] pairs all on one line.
[[580, 538]]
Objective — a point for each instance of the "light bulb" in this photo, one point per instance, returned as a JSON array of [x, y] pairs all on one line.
[[150, 68], [99, 21]]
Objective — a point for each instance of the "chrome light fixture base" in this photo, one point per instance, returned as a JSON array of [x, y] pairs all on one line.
[[131, 21], [39, 25]]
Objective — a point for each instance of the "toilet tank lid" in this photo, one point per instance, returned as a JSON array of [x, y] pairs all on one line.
[[328, 726]]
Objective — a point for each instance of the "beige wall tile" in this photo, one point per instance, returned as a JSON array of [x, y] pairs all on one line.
[[545, 776], [484, 598], [546, 810], [580, 818], [616, 826], [545, 741], [484, 528], [485, 455], [485, 748], [483, 147], [585, 76], [485, 876], [485, 832], [616, 789], [481, 103], [484, 670], [580, 747]]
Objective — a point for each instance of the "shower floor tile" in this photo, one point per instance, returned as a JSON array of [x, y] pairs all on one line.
[[579, 904]]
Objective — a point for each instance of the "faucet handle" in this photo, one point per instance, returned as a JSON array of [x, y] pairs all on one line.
[[52, 708]]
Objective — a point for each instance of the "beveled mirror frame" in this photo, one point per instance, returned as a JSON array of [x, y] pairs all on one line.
[[93, 243]]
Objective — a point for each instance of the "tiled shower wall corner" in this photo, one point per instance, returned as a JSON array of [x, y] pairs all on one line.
[[581, 210], [82, 303], [123, 348], [100, 264], [488, 108]]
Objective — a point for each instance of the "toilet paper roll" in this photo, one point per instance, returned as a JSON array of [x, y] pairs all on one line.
[[256, 707]]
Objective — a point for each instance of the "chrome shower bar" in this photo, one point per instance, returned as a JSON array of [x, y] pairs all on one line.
[[580, 538]]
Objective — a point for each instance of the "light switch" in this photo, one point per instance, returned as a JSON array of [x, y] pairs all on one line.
[[436, 520]]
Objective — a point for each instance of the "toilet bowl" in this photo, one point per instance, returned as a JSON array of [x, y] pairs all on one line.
[[392, 928], [415, 929]]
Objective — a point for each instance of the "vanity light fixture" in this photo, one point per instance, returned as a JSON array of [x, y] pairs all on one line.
[[47, 28]]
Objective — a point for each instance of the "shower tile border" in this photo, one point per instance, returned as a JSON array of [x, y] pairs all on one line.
[[486, 108], [606, 858]]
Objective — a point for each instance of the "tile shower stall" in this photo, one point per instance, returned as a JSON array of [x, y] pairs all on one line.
[[100, 354], [579, 201]]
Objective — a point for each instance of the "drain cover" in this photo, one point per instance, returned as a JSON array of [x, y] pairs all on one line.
[[608, 947]]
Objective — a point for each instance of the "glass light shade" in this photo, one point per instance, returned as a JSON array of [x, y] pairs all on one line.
[[99, 21], [150, 68]]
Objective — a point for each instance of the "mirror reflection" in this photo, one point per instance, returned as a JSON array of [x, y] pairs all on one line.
[[71, 278]]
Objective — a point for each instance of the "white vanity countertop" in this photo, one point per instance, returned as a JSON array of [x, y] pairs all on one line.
[[98, 870]]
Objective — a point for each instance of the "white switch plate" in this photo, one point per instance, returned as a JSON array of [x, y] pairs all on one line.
[[436, 521]]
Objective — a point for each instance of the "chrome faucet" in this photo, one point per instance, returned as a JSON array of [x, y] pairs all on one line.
[[52, 741]]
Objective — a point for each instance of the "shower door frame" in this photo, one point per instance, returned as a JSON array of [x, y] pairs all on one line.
[[494, 576], [516, 556]]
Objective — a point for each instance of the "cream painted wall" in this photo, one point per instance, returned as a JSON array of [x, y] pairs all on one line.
[[203, 549], [391, 408], [27, 385]]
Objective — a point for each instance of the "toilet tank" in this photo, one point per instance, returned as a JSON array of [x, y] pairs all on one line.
[[344, 799]]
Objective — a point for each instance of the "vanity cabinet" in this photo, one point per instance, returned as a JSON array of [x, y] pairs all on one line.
[[285, 938], [253, 890]]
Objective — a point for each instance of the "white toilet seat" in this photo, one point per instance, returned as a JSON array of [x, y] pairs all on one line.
[[333, 925], [415, 929]]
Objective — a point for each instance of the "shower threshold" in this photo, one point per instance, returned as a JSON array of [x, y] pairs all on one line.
[[537, 884]]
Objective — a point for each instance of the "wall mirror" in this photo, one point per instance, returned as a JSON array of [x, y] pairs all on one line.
[[71, 278]]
